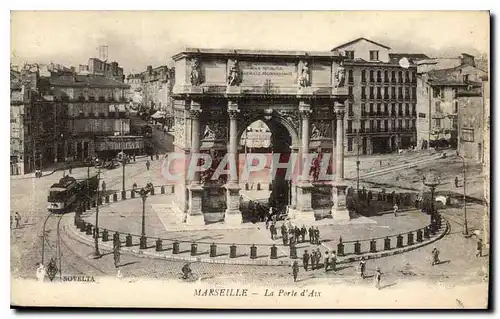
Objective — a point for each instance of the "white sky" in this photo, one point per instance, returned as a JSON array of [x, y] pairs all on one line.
[[137, 39]]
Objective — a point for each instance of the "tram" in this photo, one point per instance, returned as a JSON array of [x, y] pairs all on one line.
[[65, 193]]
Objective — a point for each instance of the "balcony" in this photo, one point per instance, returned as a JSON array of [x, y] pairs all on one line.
[[350, 114]]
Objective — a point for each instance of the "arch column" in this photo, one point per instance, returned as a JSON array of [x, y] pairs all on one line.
[[304, 211], [195, 213], [233, 213], [339, 209]]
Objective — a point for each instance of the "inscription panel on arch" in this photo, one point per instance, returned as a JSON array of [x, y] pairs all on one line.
[[274, 73]]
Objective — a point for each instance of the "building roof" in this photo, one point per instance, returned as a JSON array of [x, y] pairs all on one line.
[[450, 76], [357, 40], [254, 53], [412, 57], [91, 81]]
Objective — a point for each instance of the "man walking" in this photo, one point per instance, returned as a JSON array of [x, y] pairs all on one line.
[[18, 219], [311, 235], [395, 207], [147, 164], [318, 258], [333, 261], [362, 268], [295, 270], [378, 277], [313, 260], [283, 230], [305, 259], [103, 186], [272, 229], [435, 256], [316, 236], [303, 232], [456, 181], [116, 253], [326, 261], [284, 236], [479, 252]]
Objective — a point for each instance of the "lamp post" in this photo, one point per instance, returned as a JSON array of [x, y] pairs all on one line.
[[466, 227], [96, 254], [431, 181], [123, 163], [143, 193], [357, 165]]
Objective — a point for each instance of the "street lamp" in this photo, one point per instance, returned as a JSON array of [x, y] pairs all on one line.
[[466, 228], [357, 165], [123, 163], [96, 254], [431, 181], [143, 193]]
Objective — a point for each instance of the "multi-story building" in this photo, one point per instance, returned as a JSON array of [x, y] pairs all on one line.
[[381, 110], [134, 93], [437, 102], [96, 116], [473, 121], [102, 68]]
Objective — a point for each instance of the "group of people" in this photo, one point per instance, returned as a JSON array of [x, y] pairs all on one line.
[[293, 235], [329, 262]]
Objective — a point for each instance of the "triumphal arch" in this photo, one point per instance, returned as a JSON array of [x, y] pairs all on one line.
[[299, 95]]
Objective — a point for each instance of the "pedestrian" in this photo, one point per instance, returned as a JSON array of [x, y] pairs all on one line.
[[70, 169], [272, 229], [435, 256], [362, 268], [395, 207], [285, 238], [18, 219], [291, 234], [295, 270], [147, 164], [305, 259], [479, 252], [313, 260], [292, 239], [274, 232], [157, 156], [267, 222], [326, 261], [297, 233], [116, 253], [151, 156], [303, 232], [456, 181], [333, 260], [311, 235], [378, 277], [103, 186], [316, 236], [134, 157], [134, 186]]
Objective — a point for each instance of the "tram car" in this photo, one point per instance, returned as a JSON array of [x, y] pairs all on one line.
[[64, 194]]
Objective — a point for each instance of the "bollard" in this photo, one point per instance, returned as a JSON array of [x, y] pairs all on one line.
[[246, 186], [106, 199], [426, 233], [213, 250], [357, 248], [274, 252], [143, 242], [159, 245], [175, 247], [258, 186], [124, 195], [253, 252], [116, 237], [419, 236], [132, 194], [387, 243], [340, 248], [128, 240], [194, 248], [232, 251], [115, 197], [431, 229], [410, 239], [373, 246], [293, 252], [399, 243], [89, 229], [162, 189], [105, 235]]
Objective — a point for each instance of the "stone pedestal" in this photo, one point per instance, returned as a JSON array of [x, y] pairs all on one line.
[[233, 213], [339, 209], [195, 213], [304, 211]]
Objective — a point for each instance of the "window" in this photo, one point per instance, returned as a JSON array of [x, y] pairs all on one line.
[[393, 92], [379, 92], [421, 115], [466, 78], [350, 77], [413, 109], [386, 125], [386, 109], [363, 76], [386, 76], [400, 76], [372, 79], [455, 107], [438, 123], [363, 109], [350, 91], [407, 123], [407, 93], [371, 108], [400, 108], [349, 55], [413, 123], [349, 144], [373, 55], [400, 124], [393, 76], [379, 76], [386, 92], [393, 124], [349, 106], [407, 76], [371, 92], [379, 127], [436, 92], [438, 106], [400, 93], [372, 124], [393, 109], [413, 77], [379, 108], [363, 92], [407, 109], [349, 126], [414, 92], [362, 125]]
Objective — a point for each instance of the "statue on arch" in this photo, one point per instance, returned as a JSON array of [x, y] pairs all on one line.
[[305, 76], [208, 132], [234, 77], [315, 132], [195, 77], [339, 76]]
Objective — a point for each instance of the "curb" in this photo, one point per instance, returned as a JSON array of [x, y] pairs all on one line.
[[77, 235]]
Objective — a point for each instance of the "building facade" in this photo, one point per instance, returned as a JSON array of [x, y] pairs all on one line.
[[102, 68], [437, 102], [381, 110]]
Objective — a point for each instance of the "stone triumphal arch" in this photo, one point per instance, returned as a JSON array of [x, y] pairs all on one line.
[[299, 95]]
